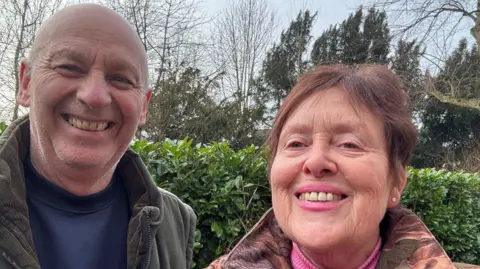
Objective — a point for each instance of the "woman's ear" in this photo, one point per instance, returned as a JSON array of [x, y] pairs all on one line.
[[397, 188]]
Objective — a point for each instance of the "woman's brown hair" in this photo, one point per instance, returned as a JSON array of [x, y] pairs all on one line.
[[374, 86]]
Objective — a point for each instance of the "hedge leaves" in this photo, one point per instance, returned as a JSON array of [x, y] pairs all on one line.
[[229, 192]]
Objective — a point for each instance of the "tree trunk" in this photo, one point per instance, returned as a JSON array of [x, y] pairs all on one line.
[[477, 27], [16, 59]]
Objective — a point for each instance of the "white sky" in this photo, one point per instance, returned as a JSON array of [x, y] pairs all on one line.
[[329, 12]]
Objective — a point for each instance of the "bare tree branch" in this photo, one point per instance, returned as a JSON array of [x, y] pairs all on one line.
[[21, 20], [240, 37], [430, 19], [471, 103]]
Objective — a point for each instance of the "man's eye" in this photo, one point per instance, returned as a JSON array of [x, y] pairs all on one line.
[[121, 79], [70, 68]]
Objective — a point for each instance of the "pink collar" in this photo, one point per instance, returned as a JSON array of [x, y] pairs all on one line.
[[299, 261]]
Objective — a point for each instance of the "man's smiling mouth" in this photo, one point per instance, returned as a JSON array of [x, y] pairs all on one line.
[[87, 125]]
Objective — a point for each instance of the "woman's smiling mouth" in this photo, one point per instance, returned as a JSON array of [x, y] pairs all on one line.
[[320, 196]]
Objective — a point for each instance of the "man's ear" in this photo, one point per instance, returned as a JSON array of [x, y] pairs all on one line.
[[143, 115], [397, 189], [25, 75]]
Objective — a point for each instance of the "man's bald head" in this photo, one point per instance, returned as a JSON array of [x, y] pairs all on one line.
[[86, 85], [82, 18]]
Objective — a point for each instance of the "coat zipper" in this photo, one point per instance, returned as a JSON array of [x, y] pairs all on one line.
[[149, 230]]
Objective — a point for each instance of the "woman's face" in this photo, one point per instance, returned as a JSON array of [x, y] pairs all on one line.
[[330, 177]]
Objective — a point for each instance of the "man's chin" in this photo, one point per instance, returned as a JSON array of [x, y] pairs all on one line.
[[85, 161]]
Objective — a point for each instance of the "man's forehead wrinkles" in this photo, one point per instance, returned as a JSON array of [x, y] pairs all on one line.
[[109, 59], [68, 51]]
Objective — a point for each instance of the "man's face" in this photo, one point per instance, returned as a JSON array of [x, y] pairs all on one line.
[[86, 91]]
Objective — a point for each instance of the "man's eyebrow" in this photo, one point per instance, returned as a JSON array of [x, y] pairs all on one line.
[[66, 53], [119, 64]]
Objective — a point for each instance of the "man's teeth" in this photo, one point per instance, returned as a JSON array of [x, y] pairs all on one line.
[[319, 196], [86, 125]]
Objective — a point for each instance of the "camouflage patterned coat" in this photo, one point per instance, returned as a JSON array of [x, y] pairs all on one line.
[[407, 243]]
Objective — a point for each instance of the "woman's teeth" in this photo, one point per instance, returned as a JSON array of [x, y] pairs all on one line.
[[86, 125], [319, 196]]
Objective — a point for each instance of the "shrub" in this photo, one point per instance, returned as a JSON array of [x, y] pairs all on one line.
[[3, 127], [229, 192], [449, 204]]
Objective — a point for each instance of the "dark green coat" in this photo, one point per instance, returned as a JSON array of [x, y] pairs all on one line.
[[160, 232]]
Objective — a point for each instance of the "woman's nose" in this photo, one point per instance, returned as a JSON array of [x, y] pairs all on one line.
[[319, 162]]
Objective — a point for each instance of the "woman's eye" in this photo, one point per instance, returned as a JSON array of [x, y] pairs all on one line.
[[350, 146], [295, 144]]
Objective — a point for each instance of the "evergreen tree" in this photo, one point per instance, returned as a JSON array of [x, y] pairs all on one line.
[[326, 48], [183, 107], [285, 61], [353, 45], [376, 34], [356, 40], [406, 64]]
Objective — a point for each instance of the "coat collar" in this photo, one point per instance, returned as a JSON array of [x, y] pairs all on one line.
[[17, 241], [407, 243]]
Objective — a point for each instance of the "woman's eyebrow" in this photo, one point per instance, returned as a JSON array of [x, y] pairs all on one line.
[[351, 126], [335, 127], [296, 128]]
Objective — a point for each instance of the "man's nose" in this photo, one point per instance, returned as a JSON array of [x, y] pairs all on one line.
[[94, 92]]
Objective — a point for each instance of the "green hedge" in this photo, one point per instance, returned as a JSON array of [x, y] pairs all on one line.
[[226, 188], [3, 127], [449, 204], [229, 192]]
